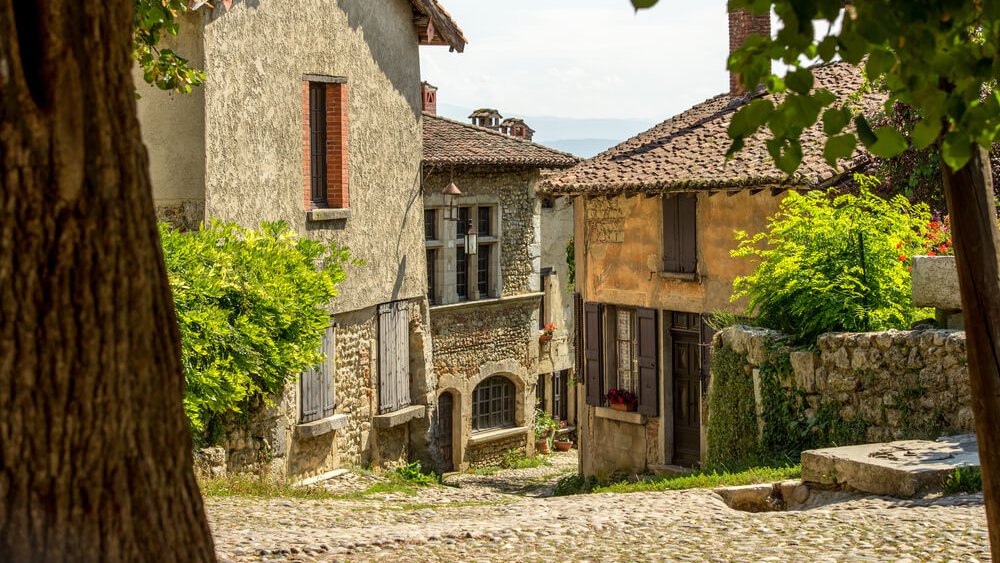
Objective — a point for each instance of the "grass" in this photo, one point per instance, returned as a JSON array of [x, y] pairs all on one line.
[[964, 480], [706, 479]]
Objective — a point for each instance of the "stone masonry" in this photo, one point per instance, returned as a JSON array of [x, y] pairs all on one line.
[[901, 384]]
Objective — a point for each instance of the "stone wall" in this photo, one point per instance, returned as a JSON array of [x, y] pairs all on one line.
[[894, 384], [491, 454]]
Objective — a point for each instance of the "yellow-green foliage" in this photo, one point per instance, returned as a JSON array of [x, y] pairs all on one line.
[[833, 263], [251, 307], [732, 423]]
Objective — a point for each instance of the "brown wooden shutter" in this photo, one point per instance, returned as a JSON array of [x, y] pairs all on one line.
[[577, 334], [707, 333], [687, 243], [646, 355], [593, 344], [671, 252], [680, 244]]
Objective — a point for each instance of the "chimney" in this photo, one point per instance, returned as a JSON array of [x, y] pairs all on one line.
[[743, 24], [429, 97]]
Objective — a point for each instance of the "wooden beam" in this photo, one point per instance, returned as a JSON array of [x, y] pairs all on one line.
[[775, 192], [755, 191]]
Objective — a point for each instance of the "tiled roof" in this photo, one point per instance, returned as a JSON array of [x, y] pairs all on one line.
[[688, 151], [453, 143], [446, 31]]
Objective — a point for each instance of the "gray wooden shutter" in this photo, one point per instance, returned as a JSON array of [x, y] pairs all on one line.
[[707, 333], [329, 369], [687, 244], [386, 360], [593, 344], [646, 355]]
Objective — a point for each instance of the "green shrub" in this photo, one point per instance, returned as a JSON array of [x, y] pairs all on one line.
[[964, 480], [834, 263], [414, 473], [732, 424], [251, 307]]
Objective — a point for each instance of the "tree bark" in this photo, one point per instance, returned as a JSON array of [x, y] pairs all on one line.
[[95, 453], [969, 193]]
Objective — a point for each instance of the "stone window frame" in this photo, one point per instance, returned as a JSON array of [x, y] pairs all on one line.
[[449, 244]]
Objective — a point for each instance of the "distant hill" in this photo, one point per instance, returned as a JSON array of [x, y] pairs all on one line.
[[581, 136], [584, 148]]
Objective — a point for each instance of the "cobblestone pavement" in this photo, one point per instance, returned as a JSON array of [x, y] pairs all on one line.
[[481, 521]]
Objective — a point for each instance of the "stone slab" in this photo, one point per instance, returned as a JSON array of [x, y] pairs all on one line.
[[901, 469], [400, 417], [935, 283], [322, 426], [492, 435], [629, 417], [320, 478]]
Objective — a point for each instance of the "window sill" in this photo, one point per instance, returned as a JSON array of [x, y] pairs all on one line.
[[328, 214], [680, 276], [499, 434], [565, 430], [620, 416], [322, 426], [433, 243], [400, 417], [487, 301]]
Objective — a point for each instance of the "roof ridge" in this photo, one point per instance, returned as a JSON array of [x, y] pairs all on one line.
[[480, 129]]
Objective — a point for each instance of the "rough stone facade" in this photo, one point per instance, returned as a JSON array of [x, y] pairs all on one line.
[[474, 340], [491, 454], [900, 384]]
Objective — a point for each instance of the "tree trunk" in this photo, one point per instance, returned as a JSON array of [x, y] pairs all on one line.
[[969, 193], [95, 454]]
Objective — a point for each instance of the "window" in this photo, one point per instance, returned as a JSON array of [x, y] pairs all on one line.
[[457, 275], [560, 395], [546, 272], [493, 404], [394, 356], [540, 392], [431, 279], [680, 247], [626, 371], [325, 128], [316, 396], [621, 351]]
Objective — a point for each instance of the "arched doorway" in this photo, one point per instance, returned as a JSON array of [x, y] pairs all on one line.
[[445, 427]]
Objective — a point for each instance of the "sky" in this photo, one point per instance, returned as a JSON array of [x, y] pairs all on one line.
[[582, 58]]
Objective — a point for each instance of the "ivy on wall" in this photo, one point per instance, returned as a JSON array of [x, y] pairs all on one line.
[[732, 418]]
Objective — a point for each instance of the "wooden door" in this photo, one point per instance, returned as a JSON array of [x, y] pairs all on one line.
[[686, 366], [445, 404]]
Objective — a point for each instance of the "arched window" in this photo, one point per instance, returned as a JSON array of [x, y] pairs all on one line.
[[493, 404]]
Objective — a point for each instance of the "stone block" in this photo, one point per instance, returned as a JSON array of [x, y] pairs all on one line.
[[935, 283], [803, 366], [400, 416], [322, 426]]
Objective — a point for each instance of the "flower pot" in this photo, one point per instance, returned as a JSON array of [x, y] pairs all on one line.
[[563, 446], [619, 407], [544, 338], [542, 446]]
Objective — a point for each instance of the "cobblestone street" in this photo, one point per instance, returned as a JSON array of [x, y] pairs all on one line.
[[495, 518]]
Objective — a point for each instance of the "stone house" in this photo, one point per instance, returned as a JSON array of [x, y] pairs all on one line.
[[487, 290], [311, 114], [654, 219]]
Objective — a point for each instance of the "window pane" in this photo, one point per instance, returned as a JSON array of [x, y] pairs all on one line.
[[483, 271], [484, 226], [493, 404], [430, 224], [431, 285], [317, 143], [461, 273], [463, 223]]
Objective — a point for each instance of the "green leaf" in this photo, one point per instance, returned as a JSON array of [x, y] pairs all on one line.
[[865, 132], [839, 147], [800, 80], [827, 48], [835, 119], [889, 142], [956, 150], [879, 61], [790, 158], [925, 133], [643, 4]]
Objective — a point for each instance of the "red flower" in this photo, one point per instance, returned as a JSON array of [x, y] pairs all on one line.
[[931, 253], [902, 258], [943, 248], [899, 245]]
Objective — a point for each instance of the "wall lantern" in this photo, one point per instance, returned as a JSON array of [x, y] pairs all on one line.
[[451, 193], [471, 241]]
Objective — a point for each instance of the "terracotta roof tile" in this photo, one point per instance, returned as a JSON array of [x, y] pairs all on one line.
[[450, 143], [687, 151]]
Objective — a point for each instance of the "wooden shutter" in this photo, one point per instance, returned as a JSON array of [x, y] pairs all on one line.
[[680, 245], [316, 392], [707, 333], [329, 368], [646, 355], [593, 344], [394, 356], [577, 334]]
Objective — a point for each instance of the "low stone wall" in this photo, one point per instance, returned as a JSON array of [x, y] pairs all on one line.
[[491, 453], [890, 385]]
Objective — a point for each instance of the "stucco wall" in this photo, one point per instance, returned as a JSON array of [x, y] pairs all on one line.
[[557, 232], [623, 249], [173, 129], [256, 56]]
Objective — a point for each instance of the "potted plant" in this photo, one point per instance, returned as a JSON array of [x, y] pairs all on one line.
[[563, 444], [545, 428], [545, 334], [622, 400]]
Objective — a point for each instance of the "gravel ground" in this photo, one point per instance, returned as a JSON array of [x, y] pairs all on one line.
[[500, 517]]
